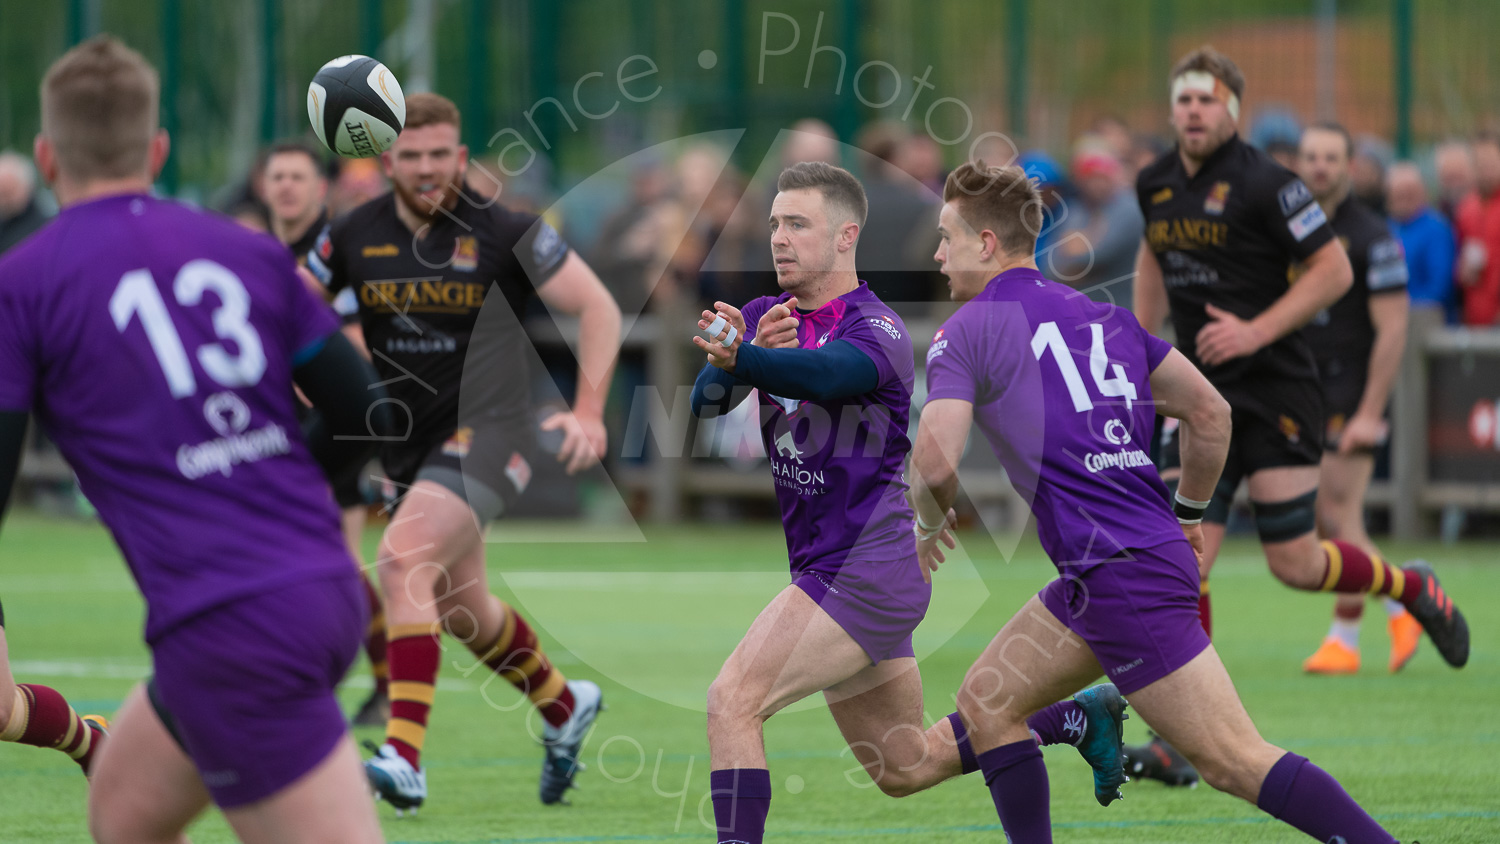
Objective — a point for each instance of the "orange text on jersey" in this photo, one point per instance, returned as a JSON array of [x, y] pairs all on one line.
[[1186, 233], [422, 295]]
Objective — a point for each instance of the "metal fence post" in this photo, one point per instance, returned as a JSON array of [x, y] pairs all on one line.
[[1409, 428]]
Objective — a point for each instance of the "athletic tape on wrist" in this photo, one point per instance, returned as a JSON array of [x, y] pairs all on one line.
[[925, 534], [1188, 511], [933, 528], [1197, 505]]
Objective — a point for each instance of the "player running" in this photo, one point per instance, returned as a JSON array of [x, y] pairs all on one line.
[[1065, 389], [834, 370], [1223, 224], [29, 713], [158, 345], [294, 187], [423, 260], [1357, 343]]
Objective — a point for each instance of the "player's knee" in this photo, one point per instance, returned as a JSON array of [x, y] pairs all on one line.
[[897, 783]]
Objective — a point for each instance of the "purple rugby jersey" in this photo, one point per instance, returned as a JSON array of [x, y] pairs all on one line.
[[156, 345], [1061, 388], [837, 464]]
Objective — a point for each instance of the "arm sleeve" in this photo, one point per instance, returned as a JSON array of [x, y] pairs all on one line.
[[540, 250], [18, 367], [1292, 217], [837, 370], [1386, 266], [351, 412], [715, 390], [12, 440]]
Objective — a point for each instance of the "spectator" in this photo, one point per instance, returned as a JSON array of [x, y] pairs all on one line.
[[1367, 172], [1426, 238], [636, 243], [1454, 162], [1478, 227], [921, 157], [900, 232], [19, 213], [1278, 131], [1097, 251], [1048, 177]]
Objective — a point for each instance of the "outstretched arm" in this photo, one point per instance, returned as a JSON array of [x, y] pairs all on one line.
[[576, 291], [836, 370]]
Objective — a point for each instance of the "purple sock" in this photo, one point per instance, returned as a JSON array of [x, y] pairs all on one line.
[[741, 796], [1017, 778], [1060, 723], [1303, 795], [965, 748]]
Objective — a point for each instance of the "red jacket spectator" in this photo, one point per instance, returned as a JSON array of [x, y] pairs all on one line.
[[1477, 223]]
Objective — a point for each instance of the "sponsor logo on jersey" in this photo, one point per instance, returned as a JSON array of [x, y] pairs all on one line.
[[787, 447], [1387, 265], [547, 248], [324, 246], [1290, 429], [787, 471], [229, 416], [384, 250], [459, 444], [1116, 433], [466, 254], [519, 471], [1217, 196], [1307, 221], [1131, 459], [1292, 196], [1186, 233], [422, 295], [1161, 196], [886, 324]]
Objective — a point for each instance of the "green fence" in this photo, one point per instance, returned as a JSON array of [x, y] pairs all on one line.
[[235, 71]]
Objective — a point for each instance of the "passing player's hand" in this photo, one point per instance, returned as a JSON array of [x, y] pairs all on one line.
[[1194, 534], [718, 354], [930, 549], [777, 328], [1362, 433], [1227, 337], [584, 439]]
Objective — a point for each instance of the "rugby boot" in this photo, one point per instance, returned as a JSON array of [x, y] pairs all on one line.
[[1333, 657]]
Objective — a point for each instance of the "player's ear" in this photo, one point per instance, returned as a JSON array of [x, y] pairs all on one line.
[[848, 236], [989, 245], [463, 160], [387, 158], [46, 158], [161, 147]]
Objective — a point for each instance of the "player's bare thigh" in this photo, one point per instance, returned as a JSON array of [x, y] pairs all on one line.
[[144, 788], [1296, 562], [1033, 662], [431, 530], [793, 649], [879, 713], [1198, 711], [7, 682], [330, 803], [1343, 480]]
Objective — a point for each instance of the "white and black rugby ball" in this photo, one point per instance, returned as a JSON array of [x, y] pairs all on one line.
[[356, 106]]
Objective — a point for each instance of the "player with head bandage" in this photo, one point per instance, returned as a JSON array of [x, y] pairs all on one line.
[[1223, 224]]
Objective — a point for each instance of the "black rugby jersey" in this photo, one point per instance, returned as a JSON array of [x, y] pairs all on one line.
[[1227, 237], [420, 299], [1342, 335]]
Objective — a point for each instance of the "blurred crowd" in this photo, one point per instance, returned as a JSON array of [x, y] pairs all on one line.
[[690, 225]]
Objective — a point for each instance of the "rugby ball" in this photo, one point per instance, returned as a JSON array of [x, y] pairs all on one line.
[[356, 106]]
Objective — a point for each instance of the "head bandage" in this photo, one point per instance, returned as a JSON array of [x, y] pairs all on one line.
[[1202, 80]]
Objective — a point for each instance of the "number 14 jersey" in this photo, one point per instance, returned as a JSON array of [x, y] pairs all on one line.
[[1061, 388], [156, 345]]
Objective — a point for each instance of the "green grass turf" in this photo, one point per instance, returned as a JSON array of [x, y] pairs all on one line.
[[651, 621]]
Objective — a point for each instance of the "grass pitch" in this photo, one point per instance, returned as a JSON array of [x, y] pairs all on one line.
[[651, 622]]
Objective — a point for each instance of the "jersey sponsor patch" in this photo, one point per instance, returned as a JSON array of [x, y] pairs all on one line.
[[1293, 195], [548, 248], [384, 250], [459, 444], [1161, 196], [1309, 220], [1387, 265], [886, 324], [466, 254], [1217, 196], [519, 471]]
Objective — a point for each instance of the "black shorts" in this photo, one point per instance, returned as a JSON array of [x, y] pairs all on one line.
[[1343, 388], [488, 466], [1276, 423], [348, 487]]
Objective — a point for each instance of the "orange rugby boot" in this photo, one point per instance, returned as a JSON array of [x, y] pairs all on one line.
[[1334, 657], [1406, 633]]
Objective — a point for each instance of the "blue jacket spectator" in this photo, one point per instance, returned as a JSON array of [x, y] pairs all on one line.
[[1429, 241]]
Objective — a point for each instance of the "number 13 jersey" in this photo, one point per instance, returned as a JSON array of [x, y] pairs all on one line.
[[156, 343], [1061, 388]]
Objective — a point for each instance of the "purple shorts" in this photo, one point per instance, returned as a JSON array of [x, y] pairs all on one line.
[[249, 685], [1138, 616], [878, 604]]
